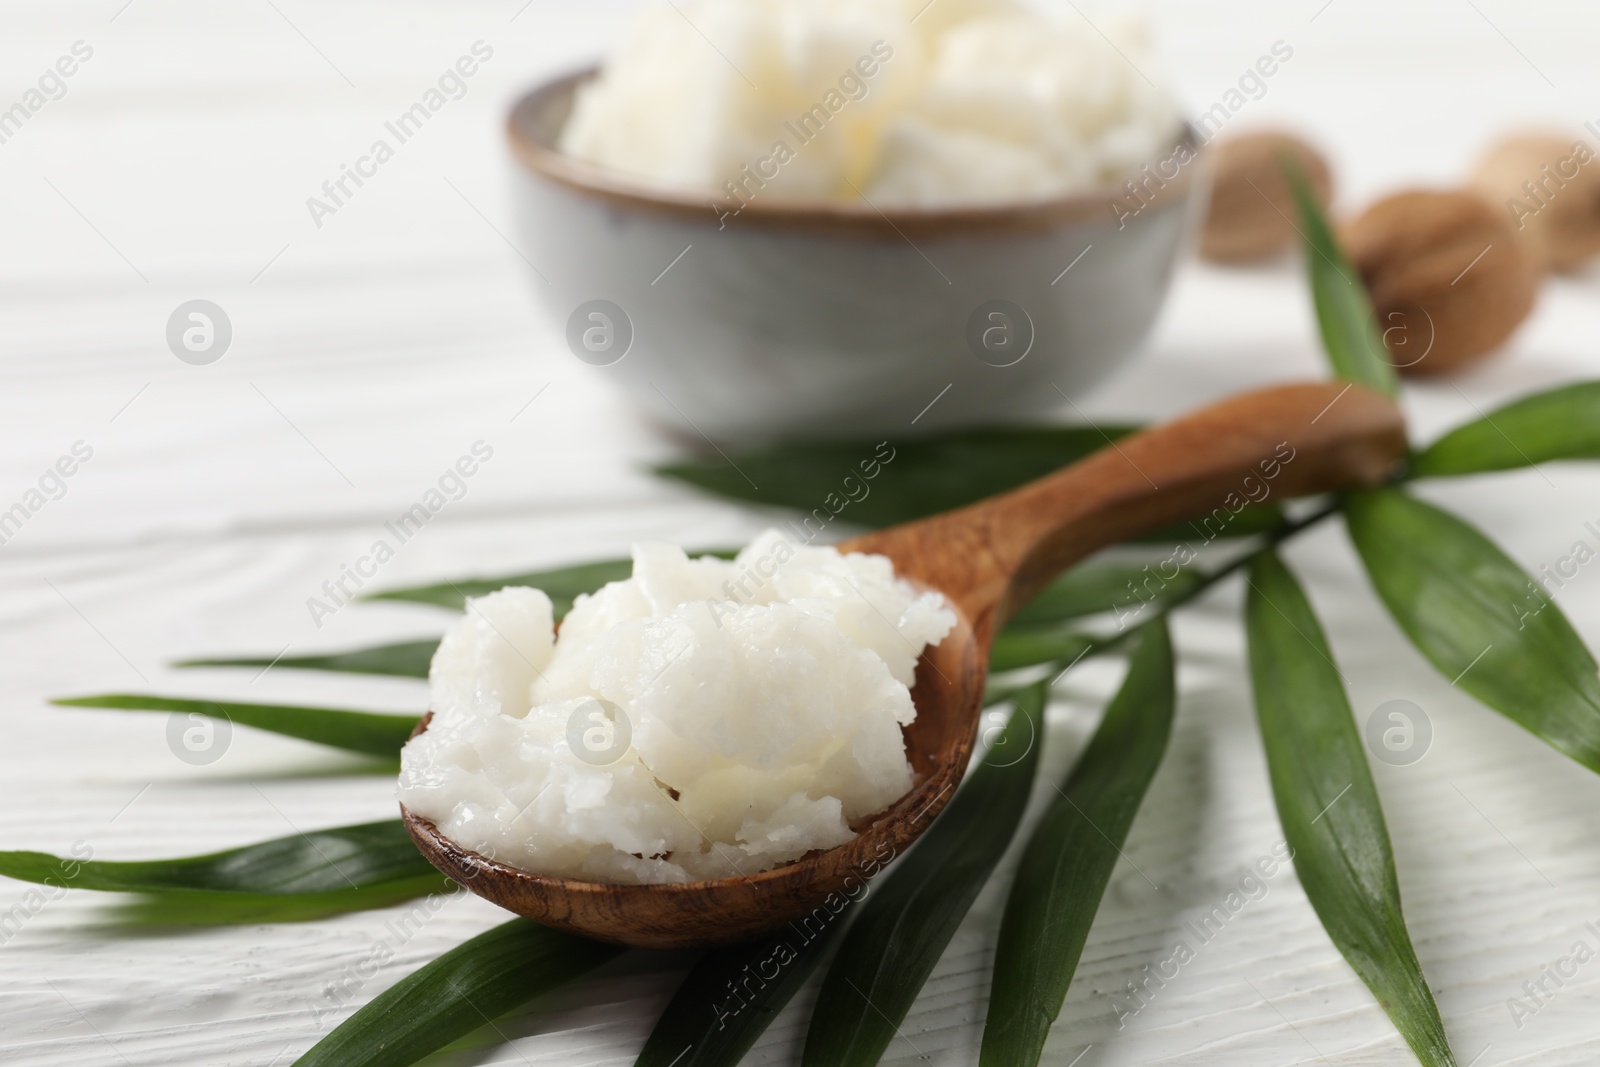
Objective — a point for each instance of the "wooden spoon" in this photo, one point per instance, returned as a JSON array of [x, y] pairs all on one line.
[[988, 559]]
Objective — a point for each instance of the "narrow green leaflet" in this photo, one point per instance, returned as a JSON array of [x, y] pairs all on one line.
[[1035, 635], [885, 484], [1250, 521], [239, 909], [1350, 334], [367, 732], [1029, 647], [1562, 423], [288, 879], [405, 659], [1097, 588], [1480, 618], [344, 857], [909, 919], [1085, 647], [563, 584], [881, 484], [1328, 805], [732, 995], [1069, 858], [471, 985]]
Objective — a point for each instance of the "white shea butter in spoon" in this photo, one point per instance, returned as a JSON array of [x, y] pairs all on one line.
[[704, 718]]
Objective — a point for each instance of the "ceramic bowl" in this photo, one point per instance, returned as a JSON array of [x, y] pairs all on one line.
[[812, 320]]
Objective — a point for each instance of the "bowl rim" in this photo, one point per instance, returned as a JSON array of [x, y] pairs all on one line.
[[542, 158]]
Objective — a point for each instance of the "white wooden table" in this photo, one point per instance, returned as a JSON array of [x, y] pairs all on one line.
[[370, 353]]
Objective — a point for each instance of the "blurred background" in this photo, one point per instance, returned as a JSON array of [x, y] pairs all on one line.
[[368, 353], [178, 164]]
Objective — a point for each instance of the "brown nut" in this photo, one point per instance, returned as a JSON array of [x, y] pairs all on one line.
[[1549, 187], [1251, 205], [1449, 280]]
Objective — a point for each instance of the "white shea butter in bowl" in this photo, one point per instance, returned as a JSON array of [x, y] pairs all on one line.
[[896, 102], [705, 718]]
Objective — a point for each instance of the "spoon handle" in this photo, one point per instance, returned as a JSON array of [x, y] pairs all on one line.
[[1273, 444]]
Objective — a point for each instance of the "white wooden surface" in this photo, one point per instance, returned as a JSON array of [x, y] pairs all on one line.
[[370, 353]]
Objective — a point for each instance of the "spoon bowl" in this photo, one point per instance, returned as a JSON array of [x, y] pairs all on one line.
[[987, 559], [730, 911]]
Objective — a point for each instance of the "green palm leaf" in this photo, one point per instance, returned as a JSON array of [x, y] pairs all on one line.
[[302, 876], [1329, 806], [562, 584], [367, 732], [344, 857], [470, 986], [1069, 858], [1098, 587], [1480, 619], [732, 995], [1349, 330], [405, 659], [1559, 424]]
